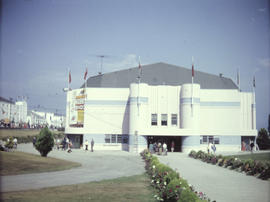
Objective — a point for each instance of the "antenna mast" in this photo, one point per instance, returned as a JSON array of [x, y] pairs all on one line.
[[101, 63]]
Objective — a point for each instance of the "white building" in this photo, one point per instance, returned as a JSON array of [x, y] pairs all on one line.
[[52, 120], [119, 113], [22, 111], [13, 114]]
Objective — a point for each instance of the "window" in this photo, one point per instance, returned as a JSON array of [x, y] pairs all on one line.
[[174, 120], [154, 119], [216, 140], [113, 138], [119, 138], [207, 139], [164, 118], [107, 138], [211, 139]]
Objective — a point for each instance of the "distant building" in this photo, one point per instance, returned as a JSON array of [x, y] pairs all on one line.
[[51, 120], [22, 111], [121, 113]]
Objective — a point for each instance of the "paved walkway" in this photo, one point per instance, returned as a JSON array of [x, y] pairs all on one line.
[[96, 166], [220, 184]]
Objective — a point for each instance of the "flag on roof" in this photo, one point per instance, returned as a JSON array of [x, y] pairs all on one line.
[[85, 74], [69, 79]]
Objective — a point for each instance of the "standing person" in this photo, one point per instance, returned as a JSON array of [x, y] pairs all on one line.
[[151, 148], [208, 147], [251, 146], [69, 146], [67, 143], [15, 141], [172, 146], [64, 143], [214, 148], [159, 148], [92, 145], [58, 143], [86, 145], [164, 148]]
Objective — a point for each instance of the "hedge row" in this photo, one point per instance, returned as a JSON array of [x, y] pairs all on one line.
[[250, 167], [169, 185], [29, 138]]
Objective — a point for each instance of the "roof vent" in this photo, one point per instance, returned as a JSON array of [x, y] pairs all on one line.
[[220, 75]]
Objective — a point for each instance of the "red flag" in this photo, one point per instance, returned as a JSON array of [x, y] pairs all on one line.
[[69, 79], [192, 70], [85, 74]]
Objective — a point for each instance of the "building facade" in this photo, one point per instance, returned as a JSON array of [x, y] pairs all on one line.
[[119, 118]]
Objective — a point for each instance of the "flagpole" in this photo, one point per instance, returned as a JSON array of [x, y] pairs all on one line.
[[238, 79], [139, 81], [254, 103], [192, 86], [68, 78]]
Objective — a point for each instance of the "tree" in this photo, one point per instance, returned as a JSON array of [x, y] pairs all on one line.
[[263, 139], [44, 142]]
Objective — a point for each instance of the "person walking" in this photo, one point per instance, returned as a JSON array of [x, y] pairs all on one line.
[[92, 145], [15, 141]]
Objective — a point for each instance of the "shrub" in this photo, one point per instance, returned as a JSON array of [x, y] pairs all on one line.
[[45, 142], [263, 140]]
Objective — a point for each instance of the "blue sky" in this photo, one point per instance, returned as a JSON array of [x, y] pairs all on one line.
[[41, 39]]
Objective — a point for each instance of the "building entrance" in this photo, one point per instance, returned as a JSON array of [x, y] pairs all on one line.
[[168, 140], [77, 140]]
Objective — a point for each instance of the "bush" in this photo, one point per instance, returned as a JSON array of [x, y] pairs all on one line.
[[45, 142], [250, 167], [167, 182]]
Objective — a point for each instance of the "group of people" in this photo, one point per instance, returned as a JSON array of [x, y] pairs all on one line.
[[65, 144], [249, 147], [158, 148], [86, 143]]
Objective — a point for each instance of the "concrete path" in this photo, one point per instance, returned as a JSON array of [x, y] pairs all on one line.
[[96, 166], [220, 184]]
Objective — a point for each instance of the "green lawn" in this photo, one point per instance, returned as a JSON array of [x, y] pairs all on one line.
[[132, 189], [14, 163], [254, 156]]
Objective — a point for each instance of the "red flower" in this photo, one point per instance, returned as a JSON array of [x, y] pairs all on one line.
[[177, 186], [170, 190]]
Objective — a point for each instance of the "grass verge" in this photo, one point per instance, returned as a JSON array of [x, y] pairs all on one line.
[[15, 163], [18, 132], [133, 189]]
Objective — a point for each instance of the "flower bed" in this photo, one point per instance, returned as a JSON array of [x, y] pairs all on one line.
[[250, 167], [169, 185]]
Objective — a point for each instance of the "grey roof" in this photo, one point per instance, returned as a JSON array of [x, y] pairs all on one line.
[[159, 74], [6, 100]]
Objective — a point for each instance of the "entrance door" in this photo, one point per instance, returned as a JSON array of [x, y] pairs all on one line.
[[168, 140]]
